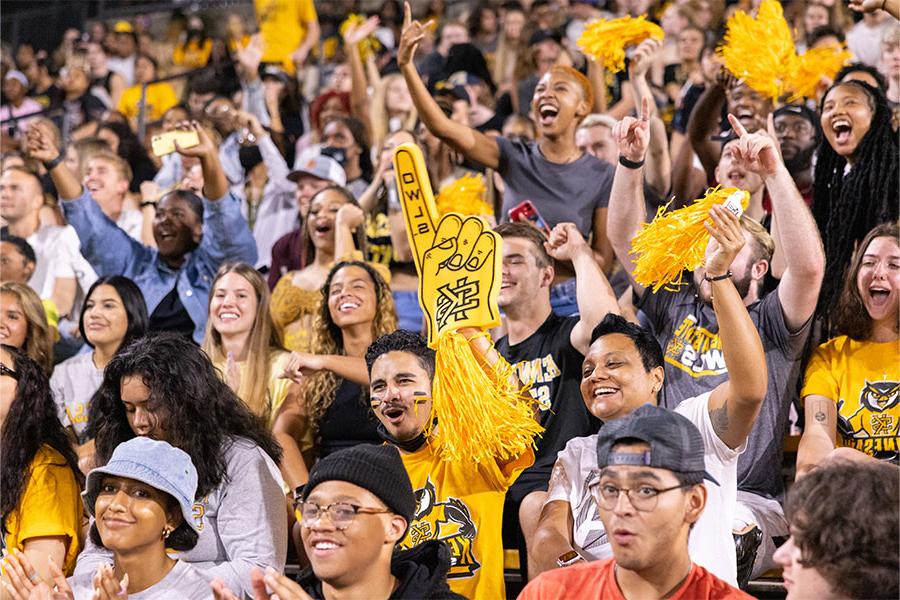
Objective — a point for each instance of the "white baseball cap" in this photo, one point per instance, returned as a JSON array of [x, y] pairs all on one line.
[[311, 162]]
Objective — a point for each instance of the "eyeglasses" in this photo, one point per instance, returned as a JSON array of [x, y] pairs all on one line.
[[341, 514], [4, 370], [643, 498]]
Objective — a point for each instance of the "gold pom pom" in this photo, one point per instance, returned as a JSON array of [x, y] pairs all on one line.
[[605, 40], [465, 196], [760, 51], [481, 416], [814, 65], [675, 242], [369, 46]]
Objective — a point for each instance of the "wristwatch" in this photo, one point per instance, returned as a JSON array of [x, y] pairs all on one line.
[[568, 558]]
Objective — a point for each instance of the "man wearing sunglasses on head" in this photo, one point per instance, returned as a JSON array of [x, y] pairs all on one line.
[[649, 487]]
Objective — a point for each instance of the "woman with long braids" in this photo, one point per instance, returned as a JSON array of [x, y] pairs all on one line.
[[856, 176], [356, 308], [164, 387], [39, 477]]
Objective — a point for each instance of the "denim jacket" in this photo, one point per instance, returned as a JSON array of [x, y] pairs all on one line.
[[111, 251]]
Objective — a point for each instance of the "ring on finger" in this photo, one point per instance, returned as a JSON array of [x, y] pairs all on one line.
[[33, 577]]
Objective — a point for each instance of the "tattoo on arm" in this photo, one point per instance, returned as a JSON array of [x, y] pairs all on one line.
[[820, 417], [719, 418]]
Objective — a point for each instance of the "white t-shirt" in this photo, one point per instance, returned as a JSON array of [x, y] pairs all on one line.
[[183, 582], [73, 384], [711, 544], [58, 254], [131, 221]]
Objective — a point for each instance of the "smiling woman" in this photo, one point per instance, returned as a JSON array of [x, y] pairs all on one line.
[[860, 367], [857, 176], [243, 343], [114, 315]]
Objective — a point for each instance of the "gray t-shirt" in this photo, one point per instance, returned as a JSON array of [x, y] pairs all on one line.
[[73, 384], [183, 582], [242, 522], [688, 332], [569, 192]]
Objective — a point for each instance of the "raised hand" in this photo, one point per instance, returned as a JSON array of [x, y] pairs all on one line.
[[357, 33], [249, 120], [205, 148], [727, 240], [633, 135], [757, 152], [39, 142], [413, 32], [350, 216], [565, 242], [866, 6], [458, 258], [250, 56], [643, 56]]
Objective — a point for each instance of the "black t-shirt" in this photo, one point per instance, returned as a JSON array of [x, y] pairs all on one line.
[[348, 421], [171, 315], [552, 365]]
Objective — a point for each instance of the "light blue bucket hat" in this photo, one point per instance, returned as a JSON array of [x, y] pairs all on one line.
[[158, 464]]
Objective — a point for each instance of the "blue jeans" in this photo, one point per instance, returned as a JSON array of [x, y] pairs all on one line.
[[563, 300], [409, 313]]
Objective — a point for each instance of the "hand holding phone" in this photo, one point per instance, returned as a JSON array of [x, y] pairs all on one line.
[[525, 212], [164, 143]]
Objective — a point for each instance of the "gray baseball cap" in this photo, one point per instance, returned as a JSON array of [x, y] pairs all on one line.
[[675, 443], [158, 464], [313, 163]]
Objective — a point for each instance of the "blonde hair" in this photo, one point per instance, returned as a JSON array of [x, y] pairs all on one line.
[[264, 339], [319, 392], [39, 337], [379, 116], [764, 245], [118, 163]]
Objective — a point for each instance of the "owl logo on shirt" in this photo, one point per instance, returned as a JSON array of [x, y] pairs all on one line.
[[449, 521], [879, 396]]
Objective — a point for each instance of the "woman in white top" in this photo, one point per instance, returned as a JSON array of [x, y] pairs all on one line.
[[114, 314]]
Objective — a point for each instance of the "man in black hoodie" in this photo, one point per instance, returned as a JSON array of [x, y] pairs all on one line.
[[355, 508]]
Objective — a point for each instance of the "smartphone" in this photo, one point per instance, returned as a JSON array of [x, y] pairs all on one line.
[[164, 143], [526, 210]]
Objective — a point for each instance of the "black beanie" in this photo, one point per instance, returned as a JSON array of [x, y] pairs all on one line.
[[378, 469]]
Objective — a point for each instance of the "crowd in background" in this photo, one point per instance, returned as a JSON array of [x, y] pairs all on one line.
[[231, 297]]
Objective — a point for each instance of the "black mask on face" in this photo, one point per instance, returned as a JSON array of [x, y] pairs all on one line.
[[338, 154]]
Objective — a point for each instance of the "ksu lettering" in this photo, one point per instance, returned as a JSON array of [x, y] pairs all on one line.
[[696, 350], [539, 373]]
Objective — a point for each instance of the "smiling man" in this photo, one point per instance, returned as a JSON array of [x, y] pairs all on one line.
[[107, 178], [194, 236], [564, 183], [460, 503], [356, 507], [650, 492]]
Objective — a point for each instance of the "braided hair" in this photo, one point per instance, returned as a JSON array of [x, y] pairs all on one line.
[[847, 207]]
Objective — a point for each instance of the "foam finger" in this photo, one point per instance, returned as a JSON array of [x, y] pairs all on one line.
[[484, 248], [416, 199], [466, 241]]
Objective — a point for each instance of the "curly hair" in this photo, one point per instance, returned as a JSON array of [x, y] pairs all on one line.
[[327, 338], [39, 338], [845, 520], [198, 411], [850, 317], [847, 206], [31, 422]]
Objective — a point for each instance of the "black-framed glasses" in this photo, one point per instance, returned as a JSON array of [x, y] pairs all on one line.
[[341, 514], [4, 370], [643, 498]]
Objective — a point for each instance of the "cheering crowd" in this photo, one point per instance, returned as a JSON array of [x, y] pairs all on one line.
[[218, 358]]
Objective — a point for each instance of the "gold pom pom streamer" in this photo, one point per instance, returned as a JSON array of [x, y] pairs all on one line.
[[812, 66], [675, 242], [482, 416], [464, 196], [605, 40], [369, 46], [760, 51]]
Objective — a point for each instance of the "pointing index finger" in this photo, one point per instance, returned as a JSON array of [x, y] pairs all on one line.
[[407, 14], [736, 125]]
